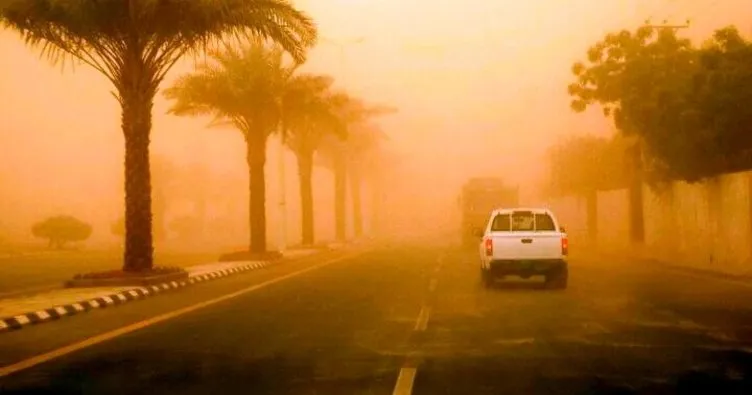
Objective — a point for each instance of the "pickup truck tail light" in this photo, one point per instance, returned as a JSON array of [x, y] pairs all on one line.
[[564, 246], [489, 247]]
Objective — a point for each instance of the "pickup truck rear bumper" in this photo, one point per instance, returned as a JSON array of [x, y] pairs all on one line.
[[525, 268]]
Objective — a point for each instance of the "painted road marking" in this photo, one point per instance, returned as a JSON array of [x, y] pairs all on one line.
[[422, 322], [432, 285], [408, 372], [405, 381], [39, 359]]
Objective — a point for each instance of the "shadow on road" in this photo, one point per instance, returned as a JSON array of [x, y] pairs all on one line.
[[517, 285]]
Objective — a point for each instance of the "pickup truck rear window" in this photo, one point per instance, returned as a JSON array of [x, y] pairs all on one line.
[[500, 223], [523, 221], [544, 223]]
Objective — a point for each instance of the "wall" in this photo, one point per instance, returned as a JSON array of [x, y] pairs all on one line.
[[706, 225]]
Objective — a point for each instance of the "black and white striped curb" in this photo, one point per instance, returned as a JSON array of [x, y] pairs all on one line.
[[57, 312]]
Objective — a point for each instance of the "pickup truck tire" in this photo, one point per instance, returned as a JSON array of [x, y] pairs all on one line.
[[558, 278]]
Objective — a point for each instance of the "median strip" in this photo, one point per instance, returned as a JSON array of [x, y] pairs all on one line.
[[48, 356], [19, 321]]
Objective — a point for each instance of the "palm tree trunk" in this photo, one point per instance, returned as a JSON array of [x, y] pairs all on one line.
[[256, 157], [305, 173], [355, 186], [136, 124], [340, 198]]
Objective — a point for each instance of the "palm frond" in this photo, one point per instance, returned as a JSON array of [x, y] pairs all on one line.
[[105, 33], [238, 85]]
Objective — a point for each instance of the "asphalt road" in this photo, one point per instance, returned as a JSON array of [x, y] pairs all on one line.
[[411, 318]]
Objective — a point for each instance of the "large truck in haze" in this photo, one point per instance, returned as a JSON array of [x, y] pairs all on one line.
[[480, 197]]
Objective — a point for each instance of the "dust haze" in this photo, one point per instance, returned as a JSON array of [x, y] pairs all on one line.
[[480, 87]]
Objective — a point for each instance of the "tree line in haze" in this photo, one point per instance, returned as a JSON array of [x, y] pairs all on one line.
[[250, 81], [682, 111]]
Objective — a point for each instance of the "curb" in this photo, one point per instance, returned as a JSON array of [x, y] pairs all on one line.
[[57, 312]]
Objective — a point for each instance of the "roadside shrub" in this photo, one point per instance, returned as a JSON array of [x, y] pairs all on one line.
[[61, 230]]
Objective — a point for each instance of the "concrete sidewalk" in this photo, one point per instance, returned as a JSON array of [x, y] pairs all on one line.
[[22, 310]]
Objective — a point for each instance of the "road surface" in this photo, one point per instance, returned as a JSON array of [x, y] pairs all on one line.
[[402, 319]]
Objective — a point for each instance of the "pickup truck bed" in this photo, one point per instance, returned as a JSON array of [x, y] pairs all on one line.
[[524, 242]]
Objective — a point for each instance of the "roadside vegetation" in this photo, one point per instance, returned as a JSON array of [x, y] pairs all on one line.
[[250, 82]]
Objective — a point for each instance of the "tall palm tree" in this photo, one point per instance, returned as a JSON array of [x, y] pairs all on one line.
[[362, 145], [240, 87], [332, 156], [310, 114], [338, 154], [134, 43]]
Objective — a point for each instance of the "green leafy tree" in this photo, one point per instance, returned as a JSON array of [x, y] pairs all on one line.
[[309, 109], [61, 230], [686, 105], [584, 164], [642, 80], [134, 43], [241, 88], [722, 91]]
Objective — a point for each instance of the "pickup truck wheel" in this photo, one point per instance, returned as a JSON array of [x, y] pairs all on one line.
[[558, 279]]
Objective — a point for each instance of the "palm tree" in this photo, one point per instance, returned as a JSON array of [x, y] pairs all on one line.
[[332, 156], [134, 43], [240, 87], [337, 155], [310, 114], [362, 145]]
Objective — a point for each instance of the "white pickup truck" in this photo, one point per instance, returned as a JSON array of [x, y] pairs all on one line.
[[524, 242]]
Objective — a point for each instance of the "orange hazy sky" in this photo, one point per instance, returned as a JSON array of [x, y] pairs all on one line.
[[481, 87]]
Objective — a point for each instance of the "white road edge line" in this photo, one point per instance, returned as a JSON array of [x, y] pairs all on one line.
[[39, 359], [405, 381]]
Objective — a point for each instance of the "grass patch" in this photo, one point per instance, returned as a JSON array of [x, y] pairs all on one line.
[[123, 274], [123, 278]]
